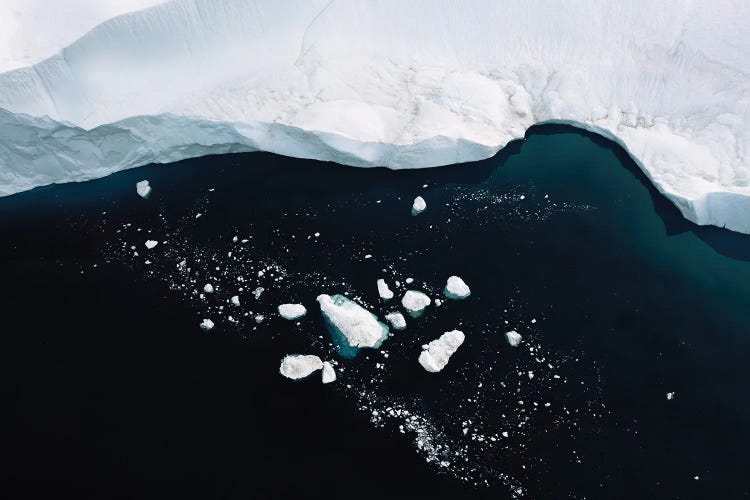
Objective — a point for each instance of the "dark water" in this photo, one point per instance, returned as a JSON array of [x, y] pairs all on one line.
[[112, 391]]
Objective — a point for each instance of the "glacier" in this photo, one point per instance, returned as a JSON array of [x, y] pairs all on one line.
[[389, 83]]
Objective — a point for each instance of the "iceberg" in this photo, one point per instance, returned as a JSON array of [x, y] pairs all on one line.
[[513, 338], [143, 189], [292, 311], [329, 374], [351, 325], [414, 302], [456, 289], [397, 320], [206, 325], [388, 83], [418, 206], [151, 244], [297, 366], [235, 300], [436, 354], [383, 290], [208, 288]]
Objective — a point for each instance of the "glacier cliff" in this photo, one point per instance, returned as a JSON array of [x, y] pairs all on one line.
[[397, 84]]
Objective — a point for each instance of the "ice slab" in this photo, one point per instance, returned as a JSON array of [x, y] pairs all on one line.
[[292, 311]]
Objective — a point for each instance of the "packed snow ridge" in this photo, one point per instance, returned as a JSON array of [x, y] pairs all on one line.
[[436, 354], [358, 325], [388, 83]]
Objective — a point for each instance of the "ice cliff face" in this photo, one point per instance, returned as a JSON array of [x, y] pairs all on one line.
[[392, 83]]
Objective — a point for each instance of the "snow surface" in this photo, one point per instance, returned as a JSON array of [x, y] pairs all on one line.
[[383, 290], [297, 366], [359, 326], [292, 311], [456, 289], [435, 357], [397, 320], [389, 83], [329, 374], [415, 302]]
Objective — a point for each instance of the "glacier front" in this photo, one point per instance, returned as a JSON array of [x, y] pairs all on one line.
[[388, 83]]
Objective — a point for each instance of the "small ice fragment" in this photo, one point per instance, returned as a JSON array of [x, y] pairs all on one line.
[[418, 206], [368, 256], [670, 396], [438, 302], [409, 281], [514, 338], [522, 197], [143, 189], [151, 244], [456, 289], [257, 292], [396, 319], [208, 288], [259, 318], [329, 374], [439, 351], [206, 325], [383, 290], [424, 185], [533, 321], [415, 302], [235, 300], [292, 311], [317, 235], [297, 366]]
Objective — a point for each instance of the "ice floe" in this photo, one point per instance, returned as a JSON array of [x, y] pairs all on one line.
[[456, 289], [437, 353], [418, 206], [297, 366], [514, 338], [359, 326], [292, 311], [415, 302], [383, 290], [397, 320], [329, 374], [143, 189]]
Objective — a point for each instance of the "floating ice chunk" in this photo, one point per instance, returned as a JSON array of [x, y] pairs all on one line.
[[359, 326], [414, 302], [235, 300], [409, 281], [456, 289], [151, 244], [514, 338], [670, 396], [292, 311], [418, 206], [206, 325], [383, 290], [259, 318], [143, 189], [258, 291], [329, 374], [297, 366], [439, 351], [208, 288], [396, 319]]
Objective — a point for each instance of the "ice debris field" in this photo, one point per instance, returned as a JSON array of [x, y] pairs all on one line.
[[90, 88]]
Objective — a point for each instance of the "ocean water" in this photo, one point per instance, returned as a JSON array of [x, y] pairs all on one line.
[[113, 391]]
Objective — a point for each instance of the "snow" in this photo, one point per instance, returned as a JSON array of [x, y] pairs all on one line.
[[353, 83], [206, 325], [143, 189], [456, 289], [514, 338], [151, 244], [297, 366], [396, 319], [383, 290], [292, 311], [418, 206], [329, 374], [435, 357], [358, 325], [415, 302]]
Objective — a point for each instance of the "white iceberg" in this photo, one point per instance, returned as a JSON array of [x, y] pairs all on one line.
[[397, 320], [383, 290], [151, 244], [143, 189], [292, 311], [513, 337], [297, 366], [418, 206], [437, 353], [356, 324], [414, 302], [456, 289], [206, 325], [352, 82], [329, 374]]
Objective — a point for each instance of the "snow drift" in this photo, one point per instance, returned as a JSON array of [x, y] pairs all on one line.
[[396, 84]]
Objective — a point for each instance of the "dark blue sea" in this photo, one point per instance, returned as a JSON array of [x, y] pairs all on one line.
[[112, 391]]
